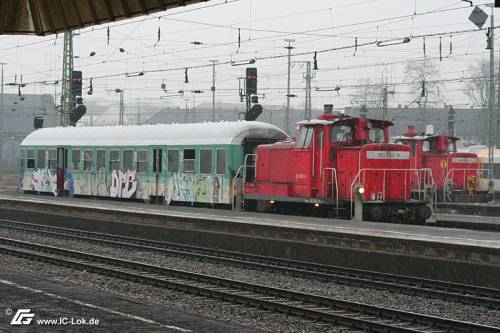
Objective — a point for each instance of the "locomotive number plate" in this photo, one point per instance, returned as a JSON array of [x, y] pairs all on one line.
[[387, 155], [464, 160]]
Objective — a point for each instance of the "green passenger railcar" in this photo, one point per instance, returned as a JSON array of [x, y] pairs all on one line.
[[185, 163]]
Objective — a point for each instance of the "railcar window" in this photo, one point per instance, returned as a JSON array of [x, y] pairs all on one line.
[[40, 162], [451, 148], [23, 158], [52, 159], [377, 135], [101, 160], [142, 161], [31, 158], [114, 160], [221, 161], [173, 161], [88, 160], [75, 160], [206, 161], [496, 171], [341, 133], [128, 160], [189, 159]]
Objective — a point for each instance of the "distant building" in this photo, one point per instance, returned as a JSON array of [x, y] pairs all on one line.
[[273, 114], [16, 122]]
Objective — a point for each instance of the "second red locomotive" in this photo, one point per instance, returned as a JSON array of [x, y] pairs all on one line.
[[457, 175], [338, 166]]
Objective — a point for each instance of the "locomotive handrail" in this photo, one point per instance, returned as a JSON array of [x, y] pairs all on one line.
[[334, 175], [356, 180], [451, 171]]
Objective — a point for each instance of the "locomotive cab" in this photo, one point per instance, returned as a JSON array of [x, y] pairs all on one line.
[[335, 160]]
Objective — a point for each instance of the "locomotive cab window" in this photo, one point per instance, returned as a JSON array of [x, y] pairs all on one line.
[[128, 160], [305, 136], [377, 135], [75, 160], [189, 159], [52, 159], [206, 161], [30, 158], [88, 160], [173, 161], [221, 161], [40, 162], [114, 160], [142, 161], [341, 133]]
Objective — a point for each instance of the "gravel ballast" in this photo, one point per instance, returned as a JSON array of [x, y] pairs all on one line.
[[428, 306]]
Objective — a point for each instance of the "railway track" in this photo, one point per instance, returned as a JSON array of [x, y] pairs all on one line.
[[324, 309], [462, 293]]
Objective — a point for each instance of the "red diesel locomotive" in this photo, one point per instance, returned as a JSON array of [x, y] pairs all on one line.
[[337, 166], [457, 175]]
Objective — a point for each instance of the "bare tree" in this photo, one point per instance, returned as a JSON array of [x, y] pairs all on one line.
[[424, 84], [477, 86], [369, 94], [477, 89]]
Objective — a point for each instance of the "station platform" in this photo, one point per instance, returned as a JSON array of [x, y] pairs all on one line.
[[465, 256]]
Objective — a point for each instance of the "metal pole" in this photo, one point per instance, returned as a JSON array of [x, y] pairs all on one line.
[[308, 91], [213, 89], [289, 48], [193, 114], [1, 98], [120, 119], [385, 116], [492, 94]]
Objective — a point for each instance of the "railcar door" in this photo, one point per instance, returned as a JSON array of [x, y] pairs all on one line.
[[158, 190], [62, 165]]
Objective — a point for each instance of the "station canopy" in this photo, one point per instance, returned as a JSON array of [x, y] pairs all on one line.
[[45, 17]]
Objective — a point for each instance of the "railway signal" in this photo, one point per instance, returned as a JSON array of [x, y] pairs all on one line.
[[76, 83]]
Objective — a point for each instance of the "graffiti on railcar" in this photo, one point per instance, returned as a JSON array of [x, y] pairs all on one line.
[[123, 184], [188, 187], [40, 180]]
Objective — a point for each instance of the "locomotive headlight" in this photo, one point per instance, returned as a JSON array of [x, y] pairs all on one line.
[[361, 190]]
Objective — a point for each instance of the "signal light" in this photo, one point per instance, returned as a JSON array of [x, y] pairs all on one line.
[[251, 80], [76, 83], [253, 113]]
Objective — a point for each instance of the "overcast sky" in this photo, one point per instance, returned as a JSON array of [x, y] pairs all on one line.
[[317, 25]]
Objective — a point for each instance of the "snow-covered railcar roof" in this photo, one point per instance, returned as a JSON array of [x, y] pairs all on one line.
[[161, 134]]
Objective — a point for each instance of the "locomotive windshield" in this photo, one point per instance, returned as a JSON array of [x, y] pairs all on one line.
[[341, 133], [305, 136], [377, 135]]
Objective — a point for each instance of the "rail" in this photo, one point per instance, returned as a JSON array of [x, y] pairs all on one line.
[[450, 173], [428, 181], [334, 180], [355, 315], [465, 294]]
